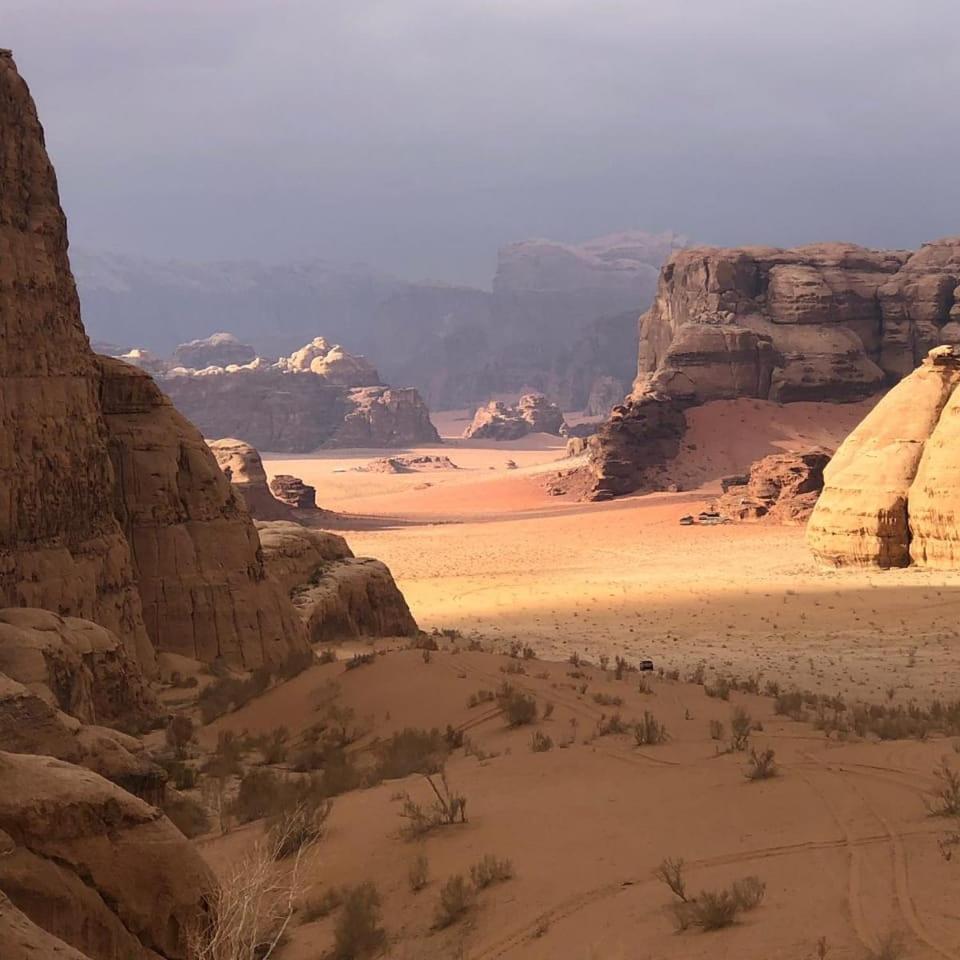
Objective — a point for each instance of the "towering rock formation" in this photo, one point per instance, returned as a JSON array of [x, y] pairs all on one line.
[[829, 322], [242, 466], [890, 496], [533, 413], [217, 350], [61, 546]]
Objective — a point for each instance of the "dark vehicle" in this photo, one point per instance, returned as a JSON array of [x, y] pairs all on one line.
[[646, 666]]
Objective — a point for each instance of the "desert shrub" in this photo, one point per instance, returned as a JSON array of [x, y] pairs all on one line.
[[327, 655], [514, 668], [410, 751], [180, 774], [447, 808], [672, 675], [189, 816], [258, 796], [319, 907], [179, 734], [540, 742], [607, 700], [670, 872], [890, 947], [612, 725], [299, 823], [716, 730], [529, 653], [481, 696], [720, 689], [519, 708], [456, 899], [789, 704], [698, 674], [418, 873], [227, 755], [944, 799], [275, 745], [359, 660], [622, 666], [358, 932], [649, 731], [490, 870], [643, 686], [761, 765], [712, 910], [748, 892], [740, 726], [425, 641]]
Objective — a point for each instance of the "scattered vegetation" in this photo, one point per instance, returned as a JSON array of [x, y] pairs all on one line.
[[358, 932], [649, 732], [716, 730], [607, 700], [360, 660], [670, 872], [180, 734], [320, 907], [944, 799], [741, 724], [456, 899], [518, 707], [418, 874], [446, 809], [481, 696], [540, 742], [761, 765], [614, 724], [490, 870], [411, 751]]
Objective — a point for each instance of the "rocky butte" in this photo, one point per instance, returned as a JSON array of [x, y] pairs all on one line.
[[319, 396], [828, 322], [121, 541]]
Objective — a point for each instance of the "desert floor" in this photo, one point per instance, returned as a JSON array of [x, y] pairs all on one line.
[[488, 551]]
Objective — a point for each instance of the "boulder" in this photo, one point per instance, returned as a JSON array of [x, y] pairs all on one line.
[[76, 666], [889, 498], [783, 487], [293, 492], [339, 596], [22, 939], [93, 866], [242, 466], [533, 413]]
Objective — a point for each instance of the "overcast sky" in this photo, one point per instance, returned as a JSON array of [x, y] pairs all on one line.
[[418, 135]]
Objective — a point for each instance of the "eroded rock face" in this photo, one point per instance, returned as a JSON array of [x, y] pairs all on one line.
[[92, 865], [890, 494], [783, 488], [243, 467], [605, 393], [499, 421], [22, 939], [294, 492], [385, 417], [217, 350], [78, 667], [204, 590], [61, 547], [339, 596], [334, 364], [827, 322]]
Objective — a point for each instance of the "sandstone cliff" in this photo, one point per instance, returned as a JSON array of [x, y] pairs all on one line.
[[242, 466], [829, 322], [890, 491]]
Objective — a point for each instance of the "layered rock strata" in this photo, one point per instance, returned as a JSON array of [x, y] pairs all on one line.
[[783, 488]]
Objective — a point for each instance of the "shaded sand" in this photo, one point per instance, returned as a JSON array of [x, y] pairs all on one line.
[[488, 551], [841, 837]]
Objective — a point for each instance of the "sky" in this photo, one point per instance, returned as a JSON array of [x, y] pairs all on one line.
[[419, 135]]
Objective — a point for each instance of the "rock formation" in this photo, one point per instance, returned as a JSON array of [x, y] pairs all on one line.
[[217, 350], [605, 393], [832, 322], [93, 866], [338, 595], [890, 491], [783, 487], [318, 396], [499, 421], [294, 492], [242, 466], [420, 464]]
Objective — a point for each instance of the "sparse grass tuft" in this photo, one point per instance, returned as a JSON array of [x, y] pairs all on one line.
[[761, 765], [358, 932], [456, 899], [519, 708], [540, 742], [418, 874], [649, 731], [490, 870]]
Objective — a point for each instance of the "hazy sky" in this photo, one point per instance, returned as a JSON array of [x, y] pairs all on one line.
[[418, 135]]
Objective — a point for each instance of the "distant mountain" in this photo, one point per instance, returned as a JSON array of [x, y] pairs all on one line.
[[457, 345]]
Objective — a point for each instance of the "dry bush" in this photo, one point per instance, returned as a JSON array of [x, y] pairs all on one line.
[[225, 762], [318, 908], [418, 874], [514, 668], [716, 730], [490, 870], [740, 726], [944, 799], [761, 766], [623, 666], [446, 809], [359, 660], [519, 708], [720, 689], [481, 696], [670, 872], [649, 731], [358, 932], [410, 751], [607, 700], [540, 742], [250, 909], [300, 825], [890, 947], [748, 892], [180, 734], [456, 899], [275, 745], [612, 725]]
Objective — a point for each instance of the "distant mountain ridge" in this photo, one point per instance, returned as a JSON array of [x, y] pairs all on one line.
[[535, 329]]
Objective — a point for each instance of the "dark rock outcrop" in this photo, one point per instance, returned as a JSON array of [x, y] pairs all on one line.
[[243, 467], [783, 488], [294, 492]]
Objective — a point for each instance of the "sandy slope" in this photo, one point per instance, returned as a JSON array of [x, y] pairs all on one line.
[[488, 550]]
